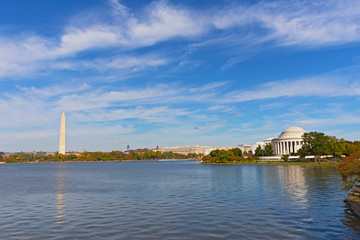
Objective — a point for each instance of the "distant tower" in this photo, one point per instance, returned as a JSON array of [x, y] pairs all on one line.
[[62, 135], [128, 148]]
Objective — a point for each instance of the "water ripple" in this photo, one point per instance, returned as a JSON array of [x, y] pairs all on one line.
[[172, 200]]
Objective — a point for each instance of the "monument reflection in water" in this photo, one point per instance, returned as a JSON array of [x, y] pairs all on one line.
[[293, 181], [60, 194]]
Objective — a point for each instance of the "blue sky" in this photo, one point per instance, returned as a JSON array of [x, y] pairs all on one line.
[[173, 73]]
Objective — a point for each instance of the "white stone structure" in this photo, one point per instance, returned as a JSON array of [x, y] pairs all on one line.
[[289, 141], [247, 148], [193, 149], [62, 135]]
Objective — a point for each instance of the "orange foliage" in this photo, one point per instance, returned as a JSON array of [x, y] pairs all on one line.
[[350, 171]]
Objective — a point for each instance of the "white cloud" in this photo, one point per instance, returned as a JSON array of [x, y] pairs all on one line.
[[288, 23], [164, 109], [316, 86], [231, 62], [101, 99], [342, 119], [160, 22], [156, 114], [52, 90], [297, 22], [21, 56], [118, 8], [163, 22], [125, 63], [136, 63], [214, 86], [223, 108], [33, 107], [77, 39]]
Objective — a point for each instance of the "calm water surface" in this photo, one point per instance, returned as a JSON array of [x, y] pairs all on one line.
[[172, 200]]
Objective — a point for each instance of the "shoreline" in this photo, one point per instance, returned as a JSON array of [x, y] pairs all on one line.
[[354, 200], [319, 164], [128, 160]]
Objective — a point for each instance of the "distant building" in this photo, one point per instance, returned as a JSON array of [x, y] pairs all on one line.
[[246, 148], [205, 150], [73, 153]]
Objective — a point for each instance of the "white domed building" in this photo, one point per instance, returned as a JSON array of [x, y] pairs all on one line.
[[289, 141]]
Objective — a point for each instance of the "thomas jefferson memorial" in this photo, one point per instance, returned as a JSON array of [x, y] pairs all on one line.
[[289, 141]]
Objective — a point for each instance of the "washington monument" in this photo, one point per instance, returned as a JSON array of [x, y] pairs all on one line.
[[62, 135]]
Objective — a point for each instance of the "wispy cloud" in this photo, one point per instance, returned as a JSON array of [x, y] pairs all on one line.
[[124, 63], [161, 21], [100, 99], [344, 119], [231, 62], [298, 23], [314, 86], [163, 69], [52, 90]]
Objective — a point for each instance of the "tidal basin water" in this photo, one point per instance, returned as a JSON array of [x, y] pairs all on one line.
[[172, 200]]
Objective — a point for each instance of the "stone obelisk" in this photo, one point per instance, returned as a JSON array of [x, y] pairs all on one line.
[[62, 135]]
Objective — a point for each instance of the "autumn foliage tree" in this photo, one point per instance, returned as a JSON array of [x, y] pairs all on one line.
[[350, 171]]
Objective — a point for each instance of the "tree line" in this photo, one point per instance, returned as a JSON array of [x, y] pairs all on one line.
[[345, 153], [314, 144], [317, 144], [99, 156], [226, 156]]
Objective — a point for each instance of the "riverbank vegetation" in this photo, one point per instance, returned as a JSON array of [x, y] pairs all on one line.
[[234, 155], [267, 151], [326, 151], [97, 156], [349, 170], [321, 147], [318, 144]]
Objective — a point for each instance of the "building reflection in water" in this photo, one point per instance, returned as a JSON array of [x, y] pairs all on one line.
[[60, 193], [294, 183]]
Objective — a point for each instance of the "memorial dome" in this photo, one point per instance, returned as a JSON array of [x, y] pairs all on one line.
[[292, 133]]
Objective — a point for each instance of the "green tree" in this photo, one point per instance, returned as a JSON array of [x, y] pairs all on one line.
[[82, 156], [70, 157], [117, 155], [268, 151], [215, 153], [351, 147], [224, 156], [285, 157], [169, 154], [237, 152], [59, 157], [316, 143], [336, 147], [98, 156], [259, 151], [207, 159]]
